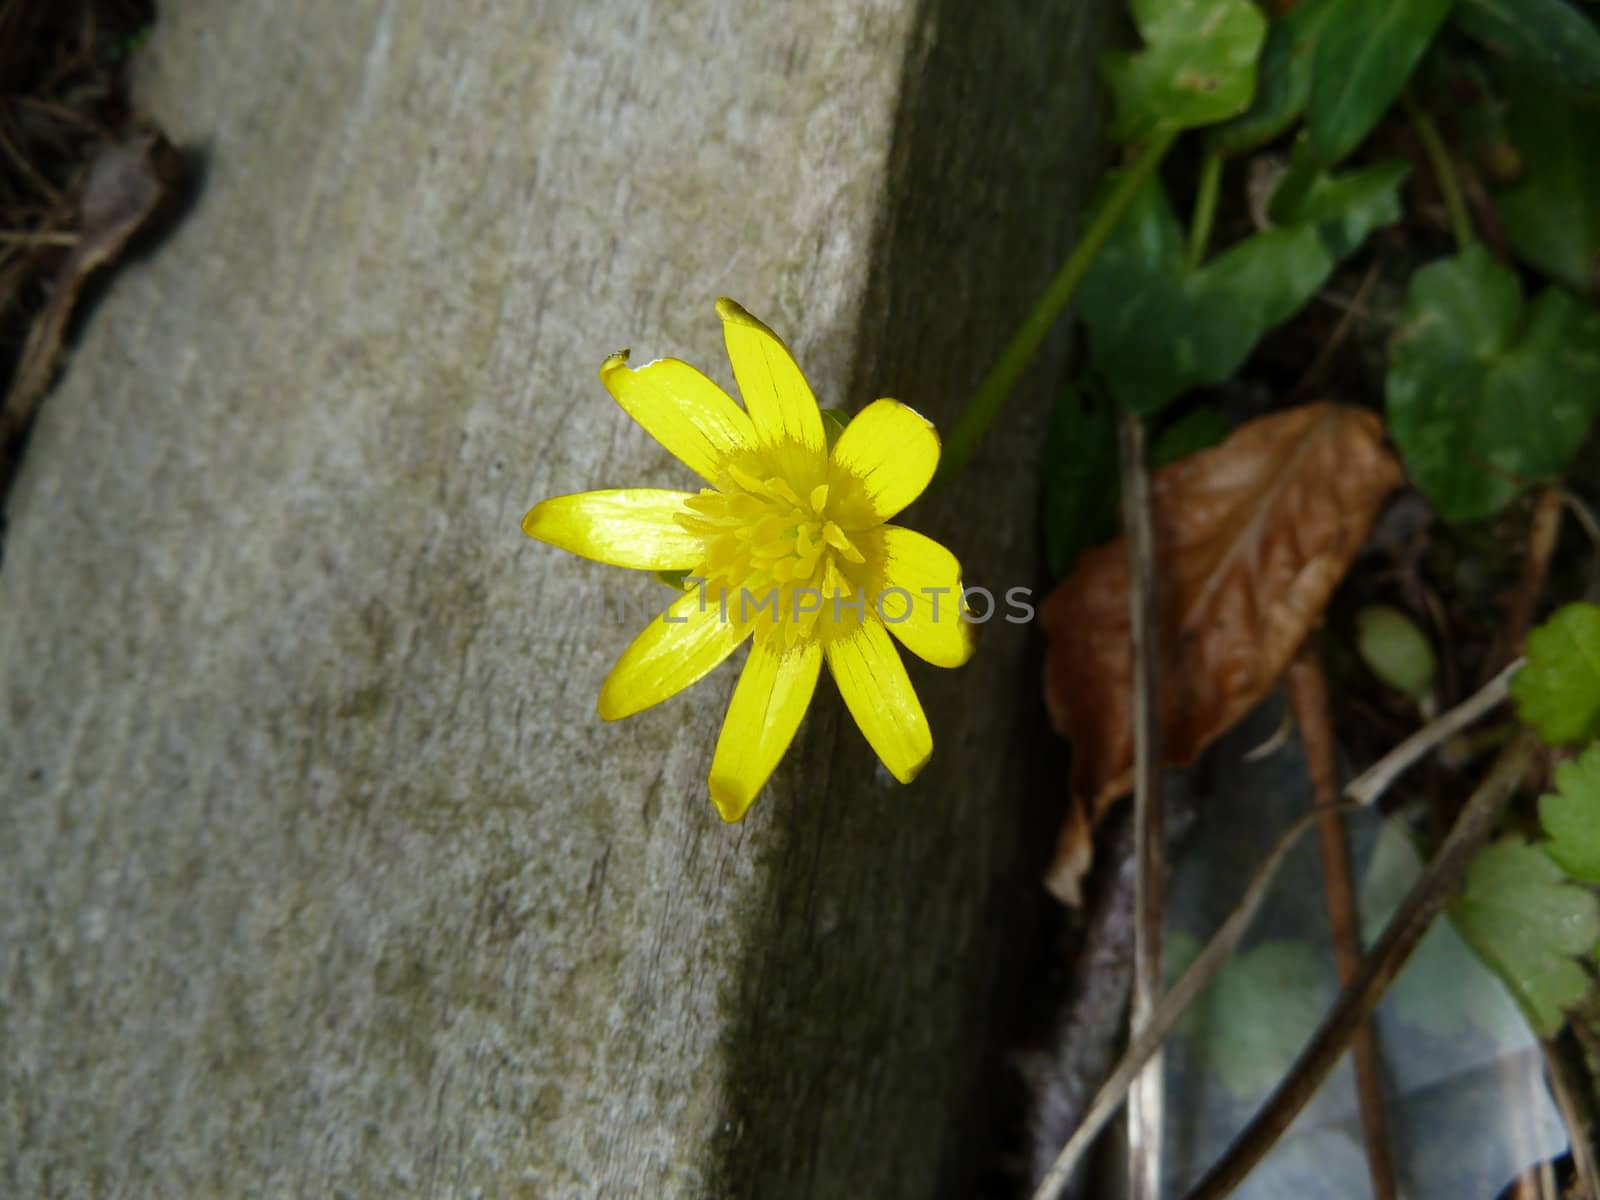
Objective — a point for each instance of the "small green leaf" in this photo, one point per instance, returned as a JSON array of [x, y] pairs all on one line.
[[1571, 816], [1549, 37], [1558, 692], [1395, 650], [1528, 922], [833, 422], [1199, 429], [1445, 988], [1346, 208], [1283, 80], [1366, 52], [1552, 213], [1198, 65], [1252, 1020], [1485, 395], [1157, 329], [1080, 481], [674, 579]]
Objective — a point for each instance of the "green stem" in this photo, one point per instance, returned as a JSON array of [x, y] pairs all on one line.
[[1008, 368], [1444, 171], [1205, 210]]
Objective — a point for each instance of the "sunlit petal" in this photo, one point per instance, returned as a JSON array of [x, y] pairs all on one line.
[[767, 706], [881, 463], [675, 650], [626, 527], [878, 693], [918, 585], [692, 417], [774, 390]]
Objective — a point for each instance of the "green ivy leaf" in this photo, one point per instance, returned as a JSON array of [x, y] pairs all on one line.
[[1366, 52], [1344, 209], [1080, 481], [1552, 213], [1529, 923], [1571, 816], [1198, 65], [1549, 37], [1486, 395], [1157, 329], [1283, 80], [1558, 692]]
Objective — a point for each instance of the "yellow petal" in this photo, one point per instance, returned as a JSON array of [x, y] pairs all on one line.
[[692, 417], [878, 693], [626, 527], [881, 463], [929, 599], [677, 649], [773, 693], [778, 398]]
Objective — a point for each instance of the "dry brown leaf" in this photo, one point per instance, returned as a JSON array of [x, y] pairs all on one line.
[[1251, 539]]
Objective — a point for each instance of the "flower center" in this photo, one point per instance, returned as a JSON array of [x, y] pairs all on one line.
[[769, 551]]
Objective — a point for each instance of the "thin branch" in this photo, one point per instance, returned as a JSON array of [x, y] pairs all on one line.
[[43, 237], [1149, 836], [1366, 787], [1580, 512], [1356, 310], [1308, 698], [1425, 901], [1543, 531], [1587, 1185], [1167, 1014]]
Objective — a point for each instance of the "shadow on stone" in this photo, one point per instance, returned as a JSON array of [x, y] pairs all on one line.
[[865, 1058]]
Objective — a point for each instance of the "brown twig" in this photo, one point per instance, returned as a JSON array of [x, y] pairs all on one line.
[[1347, 320], [38, 237], [1143, 1045], [1523, 603], [1308, 699], [1376, 779], [1425, 901], [1573, 1116], [1149, 838]]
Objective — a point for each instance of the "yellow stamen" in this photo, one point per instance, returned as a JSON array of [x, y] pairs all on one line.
[[836, 538]]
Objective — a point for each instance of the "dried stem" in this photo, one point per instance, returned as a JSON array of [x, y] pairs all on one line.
[[1356, 310], [1376, 779], [1524, 601], [1149, 837], [1308, 698], [1587, 1185], [1167, 1014], [1426, 899]]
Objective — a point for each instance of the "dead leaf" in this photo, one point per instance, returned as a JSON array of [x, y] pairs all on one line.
[[1252, 537]]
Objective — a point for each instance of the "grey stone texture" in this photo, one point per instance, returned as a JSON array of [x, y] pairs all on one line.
[[319, 874]]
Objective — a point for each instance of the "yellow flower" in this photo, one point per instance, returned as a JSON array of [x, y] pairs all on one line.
[[788, 547]]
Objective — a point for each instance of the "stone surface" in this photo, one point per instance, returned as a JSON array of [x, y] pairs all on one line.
[[318, 873]]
